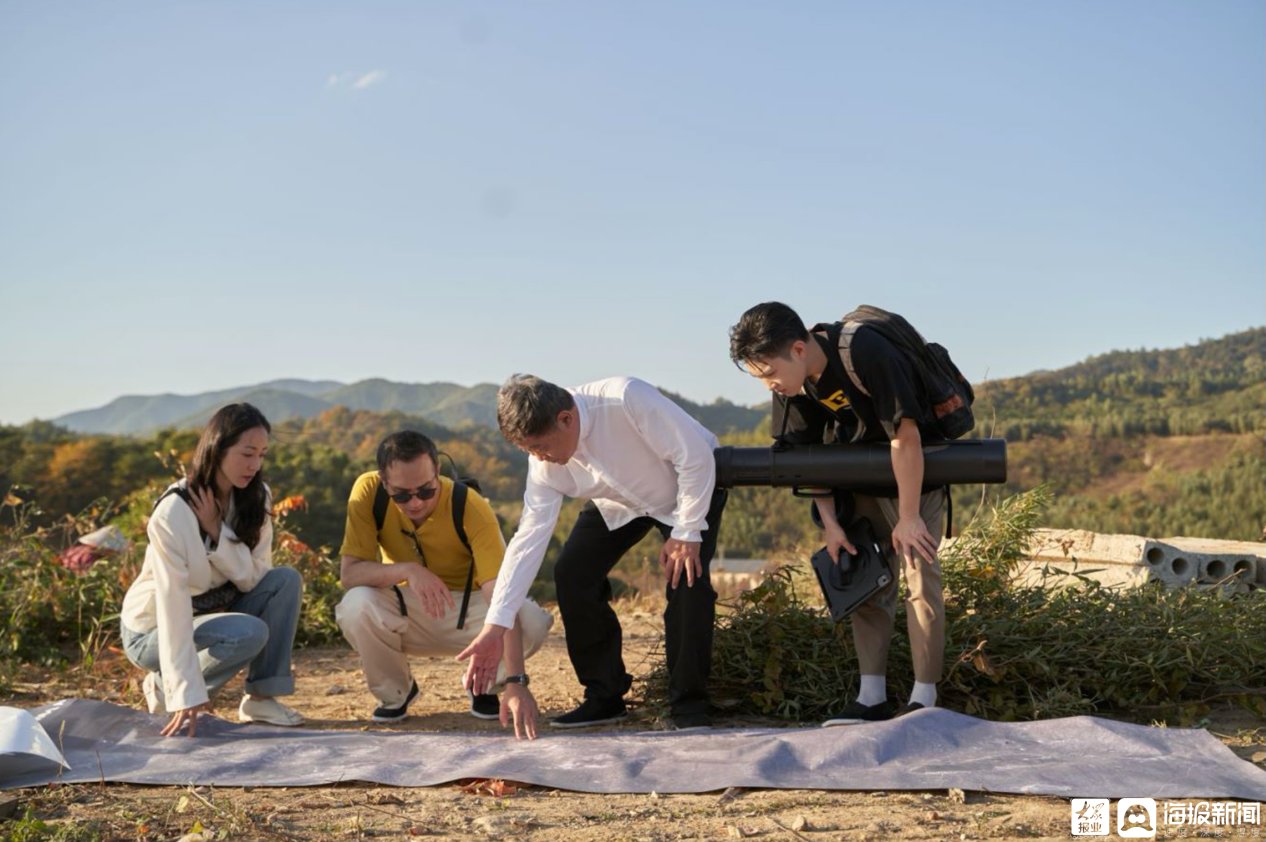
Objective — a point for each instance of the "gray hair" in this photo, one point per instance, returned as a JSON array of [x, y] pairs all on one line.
[[528, 406]]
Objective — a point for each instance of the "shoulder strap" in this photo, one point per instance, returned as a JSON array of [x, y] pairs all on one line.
[[840, 334], [380, 517], [459, 512], [459, 524], [183, 493], [847, 331], [380, 506]]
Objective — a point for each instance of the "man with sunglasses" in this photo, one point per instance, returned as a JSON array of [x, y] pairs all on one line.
[[408, 570]]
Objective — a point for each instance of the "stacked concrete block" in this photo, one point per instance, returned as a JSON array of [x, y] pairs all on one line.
[[1110, 559], [1132, 559], [1172, 565], [1237, 564]]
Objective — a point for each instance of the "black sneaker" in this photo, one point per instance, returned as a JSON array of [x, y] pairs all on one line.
[[592, 712], [908, 707], [484, 705], [690, 722], [855, 713], [382, 713]]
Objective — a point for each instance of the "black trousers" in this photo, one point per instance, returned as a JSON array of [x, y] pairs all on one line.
[[594, 636]]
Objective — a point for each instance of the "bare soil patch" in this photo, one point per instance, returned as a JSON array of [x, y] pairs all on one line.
[[1170, 455]]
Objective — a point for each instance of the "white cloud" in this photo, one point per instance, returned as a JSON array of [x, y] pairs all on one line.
[[369, 79], [355, 80]]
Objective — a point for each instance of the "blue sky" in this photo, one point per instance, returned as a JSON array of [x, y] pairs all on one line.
[[196, 195]]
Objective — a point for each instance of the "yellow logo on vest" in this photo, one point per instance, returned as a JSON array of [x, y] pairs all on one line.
[[836, 401]]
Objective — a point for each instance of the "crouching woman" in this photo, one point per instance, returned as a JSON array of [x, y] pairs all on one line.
[[208, 601]]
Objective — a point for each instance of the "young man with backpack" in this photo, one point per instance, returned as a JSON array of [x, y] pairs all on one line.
[[441, 549], [869, 378]]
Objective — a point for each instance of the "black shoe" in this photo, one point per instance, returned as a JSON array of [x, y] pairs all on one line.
[[908, 707], [855, 713], [592, 712], [690, 722], [485, 705], [382, 713]]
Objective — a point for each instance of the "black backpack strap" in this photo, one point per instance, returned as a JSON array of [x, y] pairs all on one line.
[[183, 493], [380, 517], [380, 506], [459, 517], [949, 513], [840, 336], [847, 331], [460, 485]]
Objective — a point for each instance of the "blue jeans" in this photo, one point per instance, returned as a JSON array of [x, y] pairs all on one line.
[[258, 628]]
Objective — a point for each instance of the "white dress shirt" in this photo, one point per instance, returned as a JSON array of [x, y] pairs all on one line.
[[178, 565], [639, 455]]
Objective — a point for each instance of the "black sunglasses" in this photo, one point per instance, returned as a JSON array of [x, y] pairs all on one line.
[[426, 492]]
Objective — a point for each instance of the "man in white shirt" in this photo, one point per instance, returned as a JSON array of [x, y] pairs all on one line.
[[643, 463]]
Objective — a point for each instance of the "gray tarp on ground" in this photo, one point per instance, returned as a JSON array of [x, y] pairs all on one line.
[[930, 749]]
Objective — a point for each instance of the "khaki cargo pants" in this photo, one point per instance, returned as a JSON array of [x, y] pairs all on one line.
[[925, 601], [384, 638]]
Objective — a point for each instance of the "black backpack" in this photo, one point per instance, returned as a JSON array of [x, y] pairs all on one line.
[[948, 394], [460, 486]]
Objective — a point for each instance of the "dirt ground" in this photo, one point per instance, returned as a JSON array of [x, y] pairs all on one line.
[[331, 694]]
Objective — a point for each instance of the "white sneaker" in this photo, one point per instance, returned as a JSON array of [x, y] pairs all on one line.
[[269, 711], [152, 687]]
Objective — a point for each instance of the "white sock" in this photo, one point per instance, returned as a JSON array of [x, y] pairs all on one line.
[[874, 690], [923, 694]]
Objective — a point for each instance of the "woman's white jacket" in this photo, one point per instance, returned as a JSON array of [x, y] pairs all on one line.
[[178, 565]]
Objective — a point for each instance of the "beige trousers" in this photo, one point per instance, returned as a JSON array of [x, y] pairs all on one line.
[[371, 621], [925, 602]]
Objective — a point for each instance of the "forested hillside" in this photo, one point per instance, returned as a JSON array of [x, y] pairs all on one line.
[[1218, 386], [1159, 443], [1152, 442]]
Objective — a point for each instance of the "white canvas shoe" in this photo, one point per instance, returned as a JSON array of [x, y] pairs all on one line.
[[269, 711]]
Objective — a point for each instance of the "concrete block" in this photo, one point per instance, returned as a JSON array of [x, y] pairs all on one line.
[[1129, 559], [1060, 544], [1110, 575], [1171, 565], [1161, 561], [1246, 560], [1115, 559]]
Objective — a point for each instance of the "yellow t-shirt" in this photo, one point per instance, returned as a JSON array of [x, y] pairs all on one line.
[[445, 554]]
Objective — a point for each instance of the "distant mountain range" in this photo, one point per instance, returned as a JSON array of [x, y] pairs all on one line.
[[447, 404], [1216, 385]]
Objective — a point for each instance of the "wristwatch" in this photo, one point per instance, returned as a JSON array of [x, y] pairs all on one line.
[[517, 679]]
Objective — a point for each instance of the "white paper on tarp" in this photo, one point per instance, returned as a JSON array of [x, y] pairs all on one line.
[[926, 750], [108, 538], [25, 747]]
